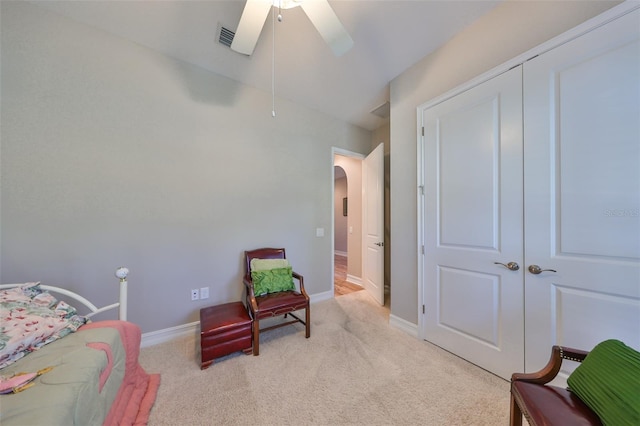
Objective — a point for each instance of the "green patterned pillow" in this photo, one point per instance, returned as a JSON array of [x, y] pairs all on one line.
[[608, 381], [272, 280]]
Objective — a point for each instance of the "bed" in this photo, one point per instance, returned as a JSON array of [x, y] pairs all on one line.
[[58, 367]]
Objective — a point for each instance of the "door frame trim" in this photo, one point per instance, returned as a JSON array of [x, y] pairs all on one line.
[[579, 30]]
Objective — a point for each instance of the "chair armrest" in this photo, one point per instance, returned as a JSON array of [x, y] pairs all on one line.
[[300, 279], [550, 371], [571, 354], [248, 282], [251, 298]]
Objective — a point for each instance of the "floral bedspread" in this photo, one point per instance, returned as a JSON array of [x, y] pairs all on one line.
[[30, 318]]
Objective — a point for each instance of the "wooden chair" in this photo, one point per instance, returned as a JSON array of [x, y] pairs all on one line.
[[274, 304], [543, 404]]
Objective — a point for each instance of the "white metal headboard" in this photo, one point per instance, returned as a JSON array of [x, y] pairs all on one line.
[[121, 273]]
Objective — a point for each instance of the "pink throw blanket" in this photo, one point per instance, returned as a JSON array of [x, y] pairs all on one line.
[[138, 390]]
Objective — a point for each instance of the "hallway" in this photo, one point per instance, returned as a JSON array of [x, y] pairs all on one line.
[[340, 283]]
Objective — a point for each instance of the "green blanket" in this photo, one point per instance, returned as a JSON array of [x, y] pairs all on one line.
[[608, 381]]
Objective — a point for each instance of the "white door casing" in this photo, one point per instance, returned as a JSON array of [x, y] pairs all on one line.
[[373, 223], [582, 191], [473, 187]]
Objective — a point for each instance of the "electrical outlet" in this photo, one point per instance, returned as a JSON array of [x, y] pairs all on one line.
[[195, 294], [204, 293]]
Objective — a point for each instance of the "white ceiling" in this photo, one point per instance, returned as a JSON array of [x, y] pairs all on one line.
[[389, 36]]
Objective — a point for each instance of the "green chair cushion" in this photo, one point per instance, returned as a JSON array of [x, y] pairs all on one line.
[[608, 382]]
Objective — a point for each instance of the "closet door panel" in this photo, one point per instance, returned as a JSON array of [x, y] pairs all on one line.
[[467, 171], [473, 219], [598, 177], [582, 191]]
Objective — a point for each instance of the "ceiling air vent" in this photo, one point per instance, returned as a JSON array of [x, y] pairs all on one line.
[[225, 36], [382, 111]]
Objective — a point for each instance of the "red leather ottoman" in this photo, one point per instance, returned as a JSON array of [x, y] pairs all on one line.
[[224, 329]]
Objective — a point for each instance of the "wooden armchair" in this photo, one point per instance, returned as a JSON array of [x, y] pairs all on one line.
[[274, 304], [543, 404]]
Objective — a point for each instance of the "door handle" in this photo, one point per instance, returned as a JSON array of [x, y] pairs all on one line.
[[535, 269], [381, 244], [512, 266]]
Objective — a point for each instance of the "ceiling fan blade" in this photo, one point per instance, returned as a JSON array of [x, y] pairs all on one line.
[[328, 25], [251, 22]]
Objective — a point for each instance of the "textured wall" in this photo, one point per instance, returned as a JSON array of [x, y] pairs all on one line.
[[113, 154]]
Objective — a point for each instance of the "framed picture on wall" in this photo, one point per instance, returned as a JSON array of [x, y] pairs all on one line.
[[344, 206]]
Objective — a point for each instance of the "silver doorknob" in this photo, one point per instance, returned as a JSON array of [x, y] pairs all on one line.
[[535, 269], [512, 266], [379, 244]]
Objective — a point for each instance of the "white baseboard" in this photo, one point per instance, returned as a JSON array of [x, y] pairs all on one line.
[[340, 253], [319, 297], [167, 334], [354, 280], [404, 325]]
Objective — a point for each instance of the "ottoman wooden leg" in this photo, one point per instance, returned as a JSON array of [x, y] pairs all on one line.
[[256, 337]]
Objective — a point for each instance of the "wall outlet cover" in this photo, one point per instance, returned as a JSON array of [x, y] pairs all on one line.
[[204, 292]]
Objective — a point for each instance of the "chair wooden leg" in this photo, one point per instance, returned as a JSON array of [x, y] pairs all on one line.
[[256, 337], [308, 322], [515, 413]]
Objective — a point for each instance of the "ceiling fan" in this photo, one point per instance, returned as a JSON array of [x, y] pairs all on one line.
[[319, 12]]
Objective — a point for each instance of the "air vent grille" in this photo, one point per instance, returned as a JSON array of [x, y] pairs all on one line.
[[226, 36], [383, 110]]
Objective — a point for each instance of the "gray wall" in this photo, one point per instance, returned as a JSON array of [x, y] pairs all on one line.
[[113, 154], [510, 29]]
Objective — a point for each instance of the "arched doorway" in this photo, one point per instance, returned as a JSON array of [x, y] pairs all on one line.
[[340, 229]]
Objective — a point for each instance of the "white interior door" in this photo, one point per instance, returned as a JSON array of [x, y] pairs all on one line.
[[473, 219], [582, 191], [373, 223]]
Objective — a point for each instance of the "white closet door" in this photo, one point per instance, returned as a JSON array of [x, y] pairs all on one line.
[[473, 218], [582, 191]]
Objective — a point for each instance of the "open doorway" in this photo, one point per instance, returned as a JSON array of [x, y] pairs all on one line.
[[366, 209], [341, 285], [347, 222]]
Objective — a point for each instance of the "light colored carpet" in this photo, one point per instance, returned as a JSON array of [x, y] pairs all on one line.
[[354, 369]]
